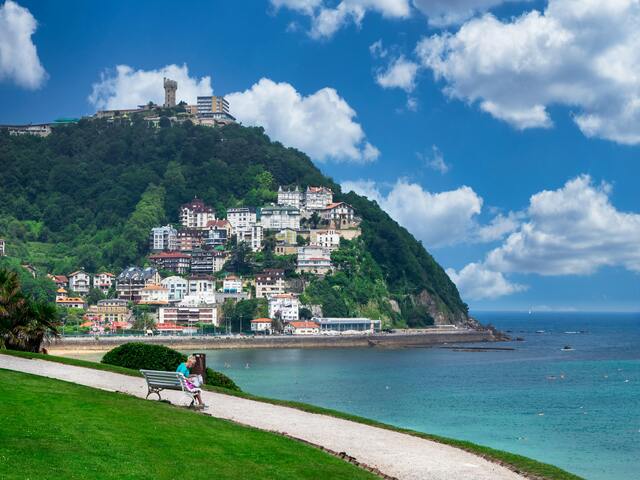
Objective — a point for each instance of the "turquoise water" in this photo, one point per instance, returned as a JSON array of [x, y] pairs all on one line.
[[579, 410]]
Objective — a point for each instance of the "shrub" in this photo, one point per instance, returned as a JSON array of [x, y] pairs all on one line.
[[137, 355], [218, 379]]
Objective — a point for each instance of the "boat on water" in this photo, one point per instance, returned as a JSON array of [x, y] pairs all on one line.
[[567, 348], [539, 331]]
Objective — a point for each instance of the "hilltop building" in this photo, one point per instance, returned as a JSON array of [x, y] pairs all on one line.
[[314, 259], [170, 87], [232, 284], [62, 300], [154, 295], [132, 280], [252, 237], [339, 215]]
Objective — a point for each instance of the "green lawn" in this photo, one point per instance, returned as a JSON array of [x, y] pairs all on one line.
[[51, 429], [519, 463]]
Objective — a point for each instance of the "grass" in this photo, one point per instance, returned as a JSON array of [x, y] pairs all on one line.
[[524, 465], [57, 430]]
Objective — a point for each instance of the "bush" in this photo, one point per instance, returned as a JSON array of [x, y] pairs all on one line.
[[137, 355]]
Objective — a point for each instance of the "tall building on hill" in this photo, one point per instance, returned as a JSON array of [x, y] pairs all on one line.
[[212, 104], [196, 214], [170, 87], [317, 198], [290, 197]]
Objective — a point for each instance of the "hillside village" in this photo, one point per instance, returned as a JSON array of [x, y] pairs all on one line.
[[185, 286]]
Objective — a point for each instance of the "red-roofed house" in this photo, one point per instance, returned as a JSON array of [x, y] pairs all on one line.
[[317, 198], [261, 325], [302, 328], [339, 215]]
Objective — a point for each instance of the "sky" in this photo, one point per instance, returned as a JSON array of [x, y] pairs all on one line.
[[504, 134]]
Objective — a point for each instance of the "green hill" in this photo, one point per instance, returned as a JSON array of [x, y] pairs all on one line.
[[87, 195]]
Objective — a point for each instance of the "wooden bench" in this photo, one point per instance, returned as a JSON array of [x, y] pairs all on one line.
[[158, 380]]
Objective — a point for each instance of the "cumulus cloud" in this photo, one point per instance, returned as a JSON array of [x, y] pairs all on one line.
[[576, 53], [126, 87], [321, 124], [401, 73], [574, 230], [476, 282], [438, 219], [442, 13], [327, 18], [19, 61]]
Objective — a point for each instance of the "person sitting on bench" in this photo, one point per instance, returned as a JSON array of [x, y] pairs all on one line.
[[193, 381]]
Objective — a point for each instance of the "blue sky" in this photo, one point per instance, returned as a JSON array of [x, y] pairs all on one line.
[[504, 135]]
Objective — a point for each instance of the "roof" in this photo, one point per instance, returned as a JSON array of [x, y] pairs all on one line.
[[283, 295], [60, 278], [120, 325], [318, 189], [168, 326], [154, 287], [197, 205], [137, 273], [77, 272], [261, 320], [108, 274], [87, 324], [232, 277], [168, 255], [70, 300], [333, 205], [219, 223], [304, 324], [61, 290]]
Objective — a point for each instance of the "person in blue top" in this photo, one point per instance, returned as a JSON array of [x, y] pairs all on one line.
[[193, 381]]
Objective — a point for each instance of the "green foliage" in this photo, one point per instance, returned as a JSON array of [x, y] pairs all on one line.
[[24, 321], [238, 315], [138, 355], [96, 174]]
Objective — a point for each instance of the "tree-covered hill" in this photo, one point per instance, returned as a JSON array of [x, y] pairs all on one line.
[[87, 195]]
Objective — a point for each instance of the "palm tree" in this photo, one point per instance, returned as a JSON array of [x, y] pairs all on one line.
[[24, 323]]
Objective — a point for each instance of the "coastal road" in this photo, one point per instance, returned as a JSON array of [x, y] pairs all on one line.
[[395, 454]]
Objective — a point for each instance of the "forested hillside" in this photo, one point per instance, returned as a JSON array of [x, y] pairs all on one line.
[[87, 195]]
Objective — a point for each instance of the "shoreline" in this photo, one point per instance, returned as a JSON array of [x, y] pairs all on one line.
[[391, 340]]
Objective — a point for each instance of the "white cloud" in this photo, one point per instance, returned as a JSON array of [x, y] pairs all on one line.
[[500, 226], [574, 230], [19, 60], [435, 161], [476, 282], [321, 124], [377, 50], [327, 18], [128, 88], [448, 12], [401, 73], [583, 54], [438, 219]]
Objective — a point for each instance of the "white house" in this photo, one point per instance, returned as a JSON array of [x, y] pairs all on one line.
[[201, 284], [285, 306], [280, 217], [177, 287], [329, 239], [79, 282], [163, 239], [314, 259], [261, 325], [196, 214], [317, 198], [302, 328], [242, 219], [154, 295], [232, 284], [68, 302], [181, 315], [252, 237], [290, 197], [103, 281], [339, 214]]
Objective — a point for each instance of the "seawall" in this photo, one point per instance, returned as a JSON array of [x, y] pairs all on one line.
[[393, 340]]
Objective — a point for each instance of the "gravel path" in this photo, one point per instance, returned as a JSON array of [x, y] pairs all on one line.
[[395, 454]]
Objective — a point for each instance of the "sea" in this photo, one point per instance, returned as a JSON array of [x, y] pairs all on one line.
[[578, 409]]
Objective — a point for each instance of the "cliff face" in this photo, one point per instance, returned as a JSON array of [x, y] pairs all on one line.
[[441, 314]]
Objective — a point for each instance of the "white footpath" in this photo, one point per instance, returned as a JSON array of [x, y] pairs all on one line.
[[395, 454]]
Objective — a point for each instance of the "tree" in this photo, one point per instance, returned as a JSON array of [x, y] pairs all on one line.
[[24, 322], [305, 314], [94, 295]]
